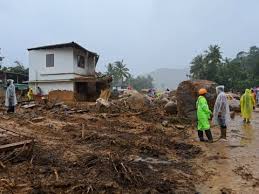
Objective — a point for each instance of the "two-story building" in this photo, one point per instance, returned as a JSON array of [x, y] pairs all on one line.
[[67, 67]]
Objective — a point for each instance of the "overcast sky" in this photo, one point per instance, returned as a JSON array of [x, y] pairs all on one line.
[[147, 34]]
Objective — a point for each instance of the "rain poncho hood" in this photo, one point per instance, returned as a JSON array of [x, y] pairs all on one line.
[[10, 95], [247, 102], [221, 107]]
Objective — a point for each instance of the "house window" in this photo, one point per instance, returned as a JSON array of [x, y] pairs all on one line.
[[81, 61], [50, 60]]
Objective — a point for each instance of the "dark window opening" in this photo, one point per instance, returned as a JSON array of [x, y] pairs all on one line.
[[50, 60], [81, 61]]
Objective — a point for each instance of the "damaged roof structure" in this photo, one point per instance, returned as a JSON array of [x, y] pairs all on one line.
[[65, 70]]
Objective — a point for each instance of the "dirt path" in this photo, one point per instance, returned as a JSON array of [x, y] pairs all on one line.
[[233, 165]]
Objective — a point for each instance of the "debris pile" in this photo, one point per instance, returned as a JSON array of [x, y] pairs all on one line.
[[14, 146], [79, 149]]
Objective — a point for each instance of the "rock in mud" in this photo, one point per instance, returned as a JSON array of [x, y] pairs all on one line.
[[187, 94], [171, 107], [165, 123], [234, 104]]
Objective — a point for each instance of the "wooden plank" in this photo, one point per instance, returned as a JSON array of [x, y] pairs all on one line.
[[15, 145]]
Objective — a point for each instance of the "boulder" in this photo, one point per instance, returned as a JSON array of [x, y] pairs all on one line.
[[234, 105], [164, 101], [171, 107], [135, 100], [234, 102], [187, 95]]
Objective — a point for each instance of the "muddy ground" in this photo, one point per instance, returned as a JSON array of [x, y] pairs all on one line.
[[79, 150], [233, 165], [84, 151]]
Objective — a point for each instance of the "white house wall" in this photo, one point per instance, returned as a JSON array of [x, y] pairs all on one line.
[[79, 70], [63, 64], [51, 86], [89, 64]]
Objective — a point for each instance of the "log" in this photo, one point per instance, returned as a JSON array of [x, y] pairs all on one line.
[[12, 146]]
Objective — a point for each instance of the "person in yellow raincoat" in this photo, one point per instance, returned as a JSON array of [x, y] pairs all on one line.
[[203, 115], [247, 104], [30, 94]]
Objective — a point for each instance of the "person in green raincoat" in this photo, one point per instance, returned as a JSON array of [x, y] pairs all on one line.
[[203, 115], [247, 104]]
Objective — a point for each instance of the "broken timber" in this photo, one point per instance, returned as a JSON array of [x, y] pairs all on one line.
[[26, 142], [12, 146]]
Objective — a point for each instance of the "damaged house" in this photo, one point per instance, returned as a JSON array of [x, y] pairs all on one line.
[[65, 72]]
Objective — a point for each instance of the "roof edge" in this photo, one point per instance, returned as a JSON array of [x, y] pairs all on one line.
[[63, 45]]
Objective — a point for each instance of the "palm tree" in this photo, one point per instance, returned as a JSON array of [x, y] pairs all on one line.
[[213, 58], [110, 69], [197, 67], [121, 72]]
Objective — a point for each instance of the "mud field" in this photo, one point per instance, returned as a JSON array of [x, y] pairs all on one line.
[[80, 150], [84, 151]]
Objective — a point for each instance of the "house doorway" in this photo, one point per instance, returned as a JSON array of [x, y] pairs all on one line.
[[85, 91]]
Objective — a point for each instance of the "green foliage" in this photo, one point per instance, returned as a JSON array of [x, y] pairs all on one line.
[[142, 82], [18, 68], [122, 77], [236, 74], [119, 72]]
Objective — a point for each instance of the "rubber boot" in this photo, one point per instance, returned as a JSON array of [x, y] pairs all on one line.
[[209, 135], [200, 134], [223, 133]]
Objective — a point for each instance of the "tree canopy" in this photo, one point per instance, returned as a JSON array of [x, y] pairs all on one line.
[[17, 68], [141, 82], [122, 77], [236, 74], [119, 72]]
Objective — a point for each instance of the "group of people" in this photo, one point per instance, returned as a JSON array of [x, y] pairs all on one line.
[[221, 112], [10, 95]]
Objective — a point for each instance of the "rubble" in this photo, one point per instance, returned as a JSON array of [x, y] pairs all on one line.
[[187, 94], [13, 146], [171, 107], [61, 95], [123, 152]]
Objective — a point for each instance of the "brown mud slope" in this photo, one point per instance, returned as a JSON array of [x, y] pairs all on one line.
[[100, 153]]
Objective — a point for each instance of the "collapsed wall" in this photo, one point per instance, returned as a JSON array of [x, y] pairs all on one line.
[[187, 94], [61, 95]]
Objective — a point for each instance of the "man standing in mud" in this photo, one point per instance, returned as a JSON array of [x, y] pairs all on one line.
[[10, 97], [203, 115], [221, 113]]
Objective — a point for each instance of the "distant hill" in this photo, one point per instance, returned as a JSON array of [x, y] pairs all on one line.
[[168, 78]]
